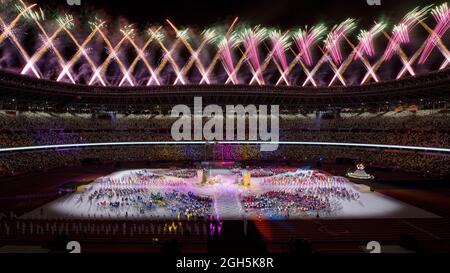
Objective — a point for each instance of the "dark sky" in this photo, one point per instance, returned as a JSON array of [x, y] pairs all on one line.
[[282, 13]]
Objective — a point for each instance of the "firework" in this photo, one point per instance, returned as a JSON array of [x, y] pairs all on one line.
[[306, 38], [280, 43], [251, 38], [441, 15], [401, 31], [234, 54], [366, 39], [332, 43], [226, 46], [364, 47]]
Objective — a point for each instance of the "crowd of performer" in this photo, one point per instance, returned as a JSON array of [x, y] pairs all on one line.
[[181, 173], [263, 171], [143, 178], [300, 192], [147, 194], [281, 203], [314, 183], [135, 201]]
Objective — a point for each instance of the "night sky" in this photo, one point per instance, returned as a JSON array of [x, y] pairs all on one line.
[[281, 13]]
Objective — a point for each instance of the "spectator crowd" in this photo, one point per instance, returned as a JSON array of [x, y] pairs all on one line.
[[426, 128]]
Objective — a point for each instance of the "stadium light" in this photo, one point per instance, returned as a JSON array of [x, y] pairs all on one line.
[[294, 143]]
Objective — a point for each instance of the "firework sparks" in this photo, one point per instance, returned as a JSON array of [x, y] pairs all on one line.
[[306, 38], [226, 47], [332, 43], [366, 39], [280, 42], [222, 55], [441, 15], [364, 47], [401, 31], [251, 38]]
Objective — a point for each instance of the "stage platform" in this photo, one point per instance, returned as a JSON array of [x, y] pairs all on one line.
[[228, 198]]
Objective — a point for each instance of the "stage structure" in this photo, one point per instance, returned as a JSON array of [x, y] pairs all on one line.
[[246, 178], [360, 173]]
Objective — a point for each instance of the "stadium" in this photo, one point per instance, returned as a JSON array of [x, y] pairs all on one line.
[[360, 134]]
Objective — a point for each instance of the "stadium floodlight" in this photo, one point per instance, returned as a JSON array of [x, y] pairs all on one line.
[[236, 142]]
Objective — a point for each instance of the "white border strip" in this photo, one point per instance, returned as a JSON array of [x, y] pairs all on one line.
[[338, 144]]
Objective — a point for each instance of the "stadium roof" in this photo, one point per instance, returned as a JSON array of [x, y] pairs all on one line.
[[22, 91]]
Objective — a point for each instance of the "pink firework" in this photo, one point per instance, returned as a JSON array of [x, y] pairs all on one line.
[[306, 38], [226, 46], [64, 51], [280, 42], [251, 38], [441, 15], [401, 31], [332, 43], [366, 38]]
